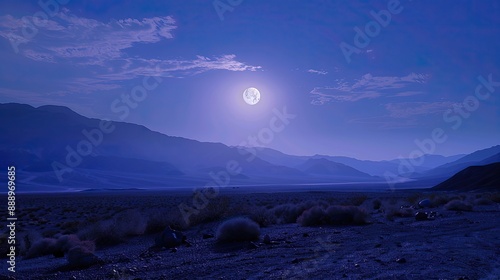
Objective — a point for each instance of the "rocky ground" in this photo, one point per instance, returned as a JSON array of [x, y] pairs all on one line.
[[456, 244]]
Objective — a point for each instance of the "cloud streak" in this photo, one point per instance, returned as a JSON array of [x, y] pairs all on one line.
[[367, 87], [411, 109], [100, 50], [319, 72], [66, 36], [407, 114]]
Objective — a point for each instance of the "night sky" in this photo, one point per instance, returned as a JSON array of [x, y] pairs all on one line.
[[356, 86]]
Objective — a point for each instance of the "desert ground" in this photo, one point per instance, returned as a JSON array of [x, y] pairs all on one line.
[[291, 235]]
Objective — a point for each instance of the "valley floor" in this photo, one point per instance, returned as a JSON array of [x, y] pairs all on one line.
[[455, 245]]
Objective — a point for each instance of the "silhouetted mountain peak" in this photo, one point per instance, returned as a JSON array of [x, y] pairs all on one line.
[[57, 109]]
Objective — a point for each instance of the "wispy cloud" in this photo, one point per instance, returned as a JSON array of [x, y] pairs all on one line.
[[322, 95], [407, 114], [101, 50], [319, 72], [367, 87], [386, 122], [175, 68], [66, 36], [410, 109]]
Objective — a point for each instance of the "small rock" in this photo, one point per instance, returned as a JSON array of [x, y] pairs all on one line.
[[356, 265], [421, 216], [207, 236], [267, 239], [170, 238], [81, 257], [58, 254], [174, 250], [401, 260], [305, 234], [432, 215], [378, 245], [424, 203]]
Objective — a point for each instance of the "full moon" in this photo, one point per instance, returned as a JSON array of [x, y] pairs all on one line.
[[251, 96]]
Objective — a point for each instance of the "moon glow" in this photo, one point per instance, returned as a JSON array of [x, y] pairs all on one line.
[[251, 96]]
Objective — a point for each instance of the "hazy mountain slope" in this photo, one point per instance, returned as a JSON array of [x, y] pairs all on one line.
[[433, 161], [54, 134], [485, 178], [279, 158], [481, 157], [326, 167], [377, 168]]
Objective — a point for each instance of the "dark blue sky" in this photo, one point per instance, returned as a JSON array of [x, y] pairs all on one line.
[[395, 88]]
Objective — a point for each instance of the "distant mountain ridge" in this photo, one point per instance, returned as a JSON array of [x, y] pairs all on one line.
[[374, 168], [481, 157], [322, 166], [55, 134], [35, 138]]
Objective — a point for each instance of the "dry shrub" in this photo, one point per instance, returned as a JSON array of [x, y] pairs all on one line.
[[346, 215], [216, 209], [439, 200], [288, 213], [314, 216], [483, 201], [495, 197], [113, 231], [70, 226], [393, 212], [81, 257], [159, 220], [414, 198], [263, 216], [44, 246], [458, 205], [59, 246], [357, 200], [333, 215], [237, 230], [377, 204]]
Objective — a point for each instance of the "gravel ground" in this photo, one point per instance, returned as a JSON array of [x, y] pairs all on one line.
[[456, 245]]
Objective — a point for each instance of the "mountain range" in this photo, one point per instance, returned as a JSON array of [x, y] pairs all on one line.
[[54, 148]]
